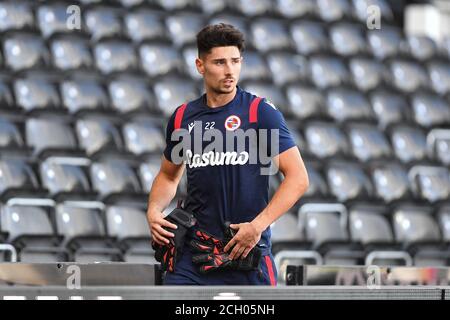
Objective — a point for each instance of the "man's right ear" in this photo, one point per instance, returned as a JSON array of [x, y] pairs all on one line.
[[199, 65]]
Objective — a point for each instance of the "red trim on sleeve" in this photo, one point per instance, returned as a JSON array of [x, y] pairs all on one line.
[[270, 269], [254, 110], [179, 116]]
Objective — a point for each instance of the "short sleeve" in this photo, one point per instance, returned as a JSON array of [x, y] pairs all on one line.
[[271, 118], [169, 143]]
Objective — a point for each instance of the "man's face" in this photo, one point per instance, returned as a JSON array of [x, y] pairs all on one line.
[[220, 68]]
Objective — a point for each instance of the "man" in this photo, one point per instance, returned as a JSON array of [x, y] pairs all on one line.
[[225, 186]]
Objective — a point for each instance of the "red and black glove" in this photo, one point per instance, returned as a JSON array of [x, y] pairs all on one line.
[[170, 253], [209, 255]]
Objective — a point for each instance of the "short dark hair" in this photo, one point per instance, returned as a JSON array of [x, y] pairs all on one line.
[[219, 35]]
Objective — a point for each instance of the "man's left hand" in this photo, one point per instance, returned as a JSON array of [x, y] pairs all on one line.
[[246, 238]]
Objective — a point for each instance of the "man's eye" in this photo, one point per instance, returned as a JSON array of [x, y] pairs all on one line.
[[219, 62]]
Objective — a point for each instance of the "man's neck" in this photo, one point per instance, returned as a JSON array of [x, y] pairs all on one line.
[[214, 100]]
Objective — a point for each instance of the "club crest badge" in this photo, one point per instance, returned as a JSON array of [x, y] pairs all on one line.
[[232, 123]]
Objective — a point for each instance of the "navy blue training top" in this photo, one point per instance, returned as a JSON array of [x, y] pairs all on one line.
[[219, 190]]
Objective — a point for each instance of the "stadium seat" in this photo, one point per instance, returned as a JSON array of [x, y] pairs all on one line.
[[128, 93], [368, 142], [308, 36], [159, 58], [367, 73], [286, 68], [388, 106], [317, 186], [347, 39], [347, 104], [174, 5], [251, 8], [24, 51], [143, 135], [114, 56], [408, 142], [285, 229], [98, 134], [6, 97], [103, 22], [10, 135], [333, 10], [327, 71], [171, 92], [304, 101], [70, 53], [390, 180], [269, 34], [429, 109], [254, 67], [17, 173], [210, 7], [325, 139], [190, 53], [35, 93], [16, 16], [147, 172], [438, 144], [49, 133], [83, 94], [421, 47], [112, 176], [361, 9], [268, 91], [65, 175], [52, 19], [443, 218], [439, 73], [431, 183], [348, 181], [385, 42], [183, 27], [144, 25], [407, 75]]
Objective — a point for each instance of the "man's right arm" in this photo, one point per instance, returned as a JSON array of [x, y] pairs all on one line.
[[162, 192]]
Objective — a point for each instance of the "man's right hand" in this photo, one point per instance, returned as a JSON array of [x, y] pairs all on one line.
[[157, 222]]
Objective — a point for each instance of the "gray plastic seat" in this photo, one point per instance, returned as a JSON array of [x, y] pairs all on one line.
[[408, 76], [347, 39], [127, 3], [285, 229], [113, 55], [17, 173], [96, 134], [103, 22], [347, 181], [367, 73], [49, 133], [128, 93], [268, 91], [388, 106], [10, 135], [52, 19], [327, 71], [430, 183], [190, 53], [65, 174], [183, 27], [439, 73], [159, 58], [443, 218], [174, 4], [390, 181], [438, 143], [212, 6], [147, 173], [144, 25], [333, 10], [70, 53], [127, 222], [304, 101], [409, 143], [294, 9], [368, 142], [369, 227], [384, 42], [343, 104], [171, 92], [308, 36], [83, 94], [35, 93], [322, 227], [6, 97], [325, 139], [24, 51], [286, 68], [114, 176], [269, 34], [251, 8], [415, 224], [430, 110], [254, 67], [361, 8], [15, 16], [143, 135], [421, 47]]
